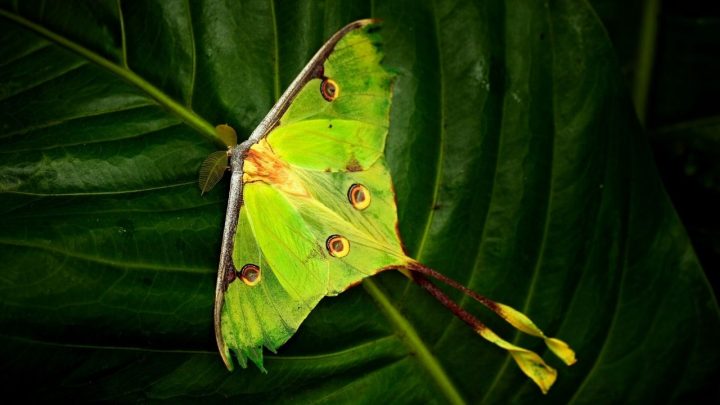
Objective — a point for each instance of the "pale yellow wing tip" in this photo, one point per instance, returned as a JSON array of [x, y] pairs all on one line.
[[520, 321], [529, 362], [545, 385], [561, 350], [535, 368]]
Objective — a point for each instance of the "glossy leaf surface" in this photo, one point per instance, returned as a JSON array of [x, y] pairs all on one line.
[[517, 160]]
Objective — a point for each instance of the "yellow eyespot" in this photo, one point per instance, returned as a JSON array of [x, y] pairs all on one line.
[[337, 246], [250, 274], [359, 196], [329, 89]]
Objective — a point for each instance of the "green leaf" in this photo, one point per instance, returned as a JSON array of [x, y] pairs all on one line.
[[517, 159]]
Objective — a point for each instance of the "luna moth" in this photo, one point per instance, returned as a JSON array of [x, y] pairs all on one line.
[[311, 209]]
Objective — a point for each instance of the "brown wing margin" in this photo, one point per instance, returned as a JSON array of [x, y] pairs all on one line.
[[313, 69], [235, 201]]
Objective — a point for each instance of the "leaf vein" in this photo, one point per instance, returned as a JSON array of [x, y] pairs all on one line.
[[105, 261]]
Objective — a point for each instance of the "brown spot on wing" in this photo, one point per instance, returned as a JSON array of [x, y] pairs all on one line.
[[353, 165], [397, 223], [319, 71], [230, 275]]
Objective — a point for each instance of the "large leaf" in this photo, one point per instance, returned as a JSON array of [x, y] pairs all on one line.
[[683, 119], [518, 163], [685, 123]]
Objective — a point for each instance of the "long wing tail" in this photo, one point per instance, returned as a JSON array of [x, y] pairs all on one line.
[[529, 362]]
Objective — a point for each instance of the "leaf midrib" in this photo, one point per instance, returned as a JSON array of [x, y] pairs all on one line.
[[413, 341], [187, 115], [409, 335], [123, 265]]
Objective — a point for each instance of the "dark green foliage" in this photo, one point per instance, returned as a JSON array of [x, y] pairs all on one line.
[[520, 170]]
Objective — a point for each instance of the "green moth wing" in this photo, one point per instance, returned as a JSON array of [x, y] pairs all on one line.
[[329, 144], [288, 250], [352, 77], [312, 210], [267, 310], [340, 118], [286, 194], [372, 239]]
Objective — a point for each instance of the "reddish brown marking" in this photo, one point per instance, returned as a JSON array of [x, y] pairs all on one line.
[[250, 274], [380, 270], [329, 89], [337, 246], [265, 166], [262, 164], [397, 232], [420, 269], [318, 71], [359, 196], [353, 165], [230, 276], [465, 316], [397, 224], [274, 125]]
